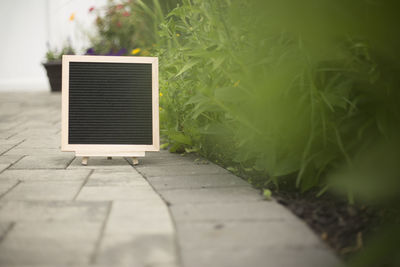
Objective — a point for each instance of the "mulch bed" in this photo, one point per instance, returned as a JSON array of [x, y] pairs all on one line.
[[343, 226]]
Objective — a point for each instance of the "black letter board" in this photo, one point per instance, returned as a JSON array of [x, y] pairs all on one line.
[[110, 105]]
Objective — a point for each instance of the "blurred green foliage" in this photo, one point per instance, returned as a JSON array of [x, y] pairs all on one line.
[[305, 91], [281, 87]]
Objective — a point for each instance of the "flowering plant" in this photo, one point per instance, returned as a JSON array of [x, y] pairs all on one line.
[[123, 28]]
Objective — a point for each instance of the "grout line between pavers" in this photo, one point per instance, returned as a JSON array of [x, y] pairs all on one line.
[[66, 167], [12, 164], [83, 184], [11, 188], [1, 154], [174, 222], [9, 228], [93, 257], [14, 127], [8, 138]]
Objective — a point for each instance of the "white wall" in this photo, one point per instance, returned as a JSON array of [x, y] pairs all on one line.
[[25, 28]]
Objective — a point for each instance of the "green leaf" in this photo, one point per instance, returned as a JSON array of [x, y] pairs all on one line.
[[187, 66], [231, 169], [267, 194], [181, 138], [164, 146]]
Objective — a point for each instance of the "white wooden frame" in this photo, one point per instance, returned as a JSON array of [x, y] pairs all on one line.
[[108, 150]]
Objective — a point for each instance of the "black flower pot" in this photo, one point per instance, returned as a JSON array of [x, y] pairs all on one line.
[[54, 70]]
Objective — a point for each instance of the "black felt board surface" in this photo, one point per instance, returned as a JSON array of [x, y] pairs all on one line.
[[110, 103]]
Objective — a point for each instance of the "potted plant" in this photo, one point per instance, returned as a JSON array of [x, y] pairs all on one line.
[[53, 65]]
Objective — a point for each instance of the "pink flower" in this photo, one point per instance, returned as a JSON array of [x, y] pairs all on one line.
[[126, 14], [91, 9], [119, 24], [120, 7]]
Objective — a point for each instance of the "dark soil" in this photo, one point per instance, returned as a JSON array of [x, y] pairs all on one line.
[[344, 227]]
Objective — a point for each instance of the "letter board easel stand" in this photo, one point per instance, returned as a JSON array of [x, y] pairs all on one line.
[[110, 106]]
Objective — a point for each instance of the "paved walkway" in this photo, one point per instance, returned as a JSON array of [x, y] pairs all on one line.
[[170, 211]]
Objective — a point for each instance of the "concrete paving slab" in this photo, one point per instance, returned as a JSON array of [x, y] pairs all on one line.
[[116, 178], [65, 211], [138, 250], [6, 125], [104, 193], [269, 257], [139, 217], [7, 143], [44, 162], [5, 147], [117, 163], [45, 175], [242, 234], [196, 181], [41, 142], [6, 185], [9, 159], [4, 135], [160, 159], [44, 190], [37, 152], [225, 212], [4, 228], [3, 166], [33, 131], [180, 170], [211, 195], [49, 243]]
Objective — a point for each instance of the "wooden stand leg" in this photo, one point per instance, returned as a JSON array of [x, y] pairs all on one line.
[[85, 160], [135, 161], [109, 158]]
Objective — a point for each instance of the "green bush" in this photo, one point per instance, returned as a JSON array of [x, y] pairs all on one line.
[[304, 93], [278, 87]]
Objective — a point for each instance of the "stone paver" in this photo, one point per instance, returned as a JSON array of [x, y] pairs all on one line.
[[118, 163], [17, 151], [3, 166], [5, 147], [56, 212], [116, 178], [226, 212], [50, 175], [44, 162], [211, 195], [9, 159], [44, 190], [53, 243], [184, 169], [6, 185], [116, 193], [196, 181], [37, 210], [169, 211], [230, 225], [239, 257]]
